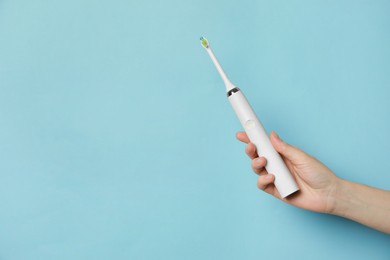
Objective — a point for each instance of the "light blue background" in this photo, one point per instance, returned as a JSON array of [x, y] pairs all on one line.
[[117, 141]]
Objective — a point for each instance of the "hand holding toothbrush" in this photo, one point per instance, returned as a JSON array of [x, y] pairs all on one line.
[[320, 189]]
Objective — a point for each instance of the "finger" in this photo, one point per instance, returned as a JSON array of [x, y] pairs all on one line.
[[250, 150], [258, 165], [242, 137], [266, 183], [288, 151], [262, 172]]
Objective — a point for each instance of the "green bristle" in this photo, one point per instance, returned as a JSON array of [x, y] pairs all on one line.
[[204, 42]]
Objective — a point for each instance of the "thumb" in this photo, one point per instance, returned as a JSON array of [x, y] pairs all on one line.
[[288, 151]]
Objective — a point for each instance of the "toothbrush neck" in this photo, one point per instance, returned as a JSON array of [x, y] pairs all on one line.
[[220, 70], [223, 75]]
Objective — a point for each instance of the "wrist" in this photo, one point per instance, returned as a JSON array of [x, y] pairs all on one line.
[[338, 197], [361, 203]]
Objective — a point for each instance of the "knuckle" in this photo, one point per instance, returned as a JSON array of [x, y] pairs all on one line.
[[247, 149], [257, 163], [254, 164], [260, 184]]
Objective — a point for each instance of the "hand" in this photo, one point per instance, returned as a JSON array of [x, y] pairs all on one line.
[[316, 182]]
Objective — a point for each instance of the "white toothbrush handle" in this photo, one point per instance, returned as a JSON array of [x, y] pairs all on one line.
[[284, 181]]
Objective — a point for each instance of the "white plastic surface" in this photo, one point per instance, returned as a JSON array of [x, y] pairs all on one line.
[[220, 70], [284, 181]]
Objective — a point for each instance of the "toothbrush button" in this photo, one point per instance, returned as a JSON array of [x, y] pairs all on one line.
[[249, 124]]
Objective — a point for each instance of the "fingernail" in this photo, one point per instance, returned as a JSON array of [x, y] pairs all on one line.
[[268, 177]]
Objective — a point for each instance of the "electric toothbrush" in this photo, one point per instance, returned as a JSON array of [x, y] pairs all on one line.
[[284, 181]]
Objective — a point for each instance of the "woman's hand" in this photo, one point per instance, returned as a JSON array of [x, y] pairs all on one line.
[[320, 189], [316, 182]]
